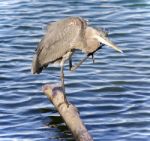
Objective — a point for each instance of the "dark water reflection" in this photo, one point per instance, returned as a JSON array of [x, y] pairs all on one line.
[[113, 95]]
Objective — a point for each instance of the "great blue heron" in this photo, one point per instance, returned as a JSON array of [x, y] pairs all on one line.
[[63, 38]]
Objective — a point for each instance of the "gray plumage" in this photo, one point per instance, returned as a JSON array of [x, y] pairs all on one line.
[[63, 38]]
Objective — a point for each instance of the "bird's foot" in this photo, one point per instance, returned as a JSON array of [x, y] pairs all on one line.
[[66, 101], [93, 58]]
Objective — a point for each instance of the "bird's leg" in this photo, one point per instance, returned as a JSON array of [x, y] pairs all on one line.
[[93, 58], [92, 54], [62, 81], [62, 75], [65, 57], [70, 64], [73, 68]]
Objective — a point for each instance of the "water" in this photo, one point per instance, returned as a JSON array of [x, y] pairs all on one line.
[[112, 95]]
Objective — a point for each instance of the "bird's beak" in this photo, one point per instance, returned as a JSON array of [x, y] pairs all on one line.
[[106, 41]]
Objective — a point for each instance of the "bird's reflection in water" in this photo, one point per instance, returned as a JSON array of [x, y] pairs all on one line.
[[56, 122]]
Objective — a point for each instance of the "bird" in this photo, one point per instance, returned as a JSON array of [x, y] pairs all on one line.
[[63, 38]]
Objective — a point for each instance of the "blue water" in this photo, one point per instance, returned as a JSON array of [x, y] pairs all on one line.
[[112, 95]]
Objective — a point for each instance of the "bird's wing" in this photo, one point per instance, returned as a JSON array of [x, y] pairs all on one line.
[[61, 37]]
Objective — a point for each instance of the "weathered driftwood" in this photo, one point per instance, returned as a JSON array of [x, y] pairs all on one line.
[[69, 113]]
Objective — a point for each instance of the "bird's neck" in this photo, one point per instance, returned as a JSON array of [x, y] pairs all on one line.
[[92, 45]]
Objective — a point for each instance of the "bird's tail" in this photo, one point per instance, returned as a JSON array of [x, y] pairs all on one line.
[[36, 68]]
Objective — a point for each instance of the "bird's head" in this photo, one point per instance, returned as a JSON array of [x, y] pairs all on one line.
[[100, 36]]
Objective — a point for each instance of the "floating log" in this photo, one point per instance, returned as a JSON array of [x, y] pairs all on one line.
[[69, 113]]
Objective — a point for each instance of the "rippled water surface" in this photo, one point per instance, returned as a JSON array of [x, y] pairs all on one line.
[[112, 95]]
